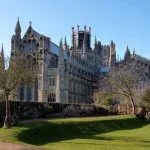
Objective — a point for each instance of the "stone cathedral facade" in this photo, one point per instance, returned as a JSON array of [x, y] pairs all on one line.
[[66, 74]]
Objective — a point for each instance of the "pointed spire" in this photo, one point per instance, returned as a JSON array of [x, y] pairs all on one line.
[[65, 44], [95, 44], [61, 55], [134, 52], [2, 51], [127, 53], [61, 51], [127, 49], [84, 28], [18, 28], [2, 59], [61, 44], [30, 23], [77, 28]]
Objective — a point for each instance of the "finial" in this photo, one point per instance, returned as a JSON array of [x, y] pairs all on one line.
[[134, 52], [95, 40], [18, 18], [85, 28], [2, 49], [72, 30], [90, 30], [111, 43], [78, 28], [30, 23], [65, 42], [127, 48], [61, 44]]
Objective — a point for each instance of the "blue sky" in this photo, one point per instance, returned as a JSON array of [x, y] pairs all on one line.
[[126, 22]]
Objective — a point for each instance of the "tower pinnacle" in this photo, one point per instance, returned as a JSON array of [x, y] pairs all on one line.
[[65, 44], [18, 28], [61, 44]]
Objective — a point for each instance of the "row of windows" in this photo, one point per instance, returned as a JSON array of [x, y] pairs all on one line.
[[79, 71]]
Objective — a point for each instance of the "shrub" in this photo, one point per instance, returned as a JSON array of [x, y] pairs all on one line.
[[145, 102]]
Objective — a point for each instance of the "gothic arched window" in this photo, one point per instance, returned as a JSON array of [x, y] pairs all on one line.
[[29, 91], [21, 93], [53, 62], [52, 97]]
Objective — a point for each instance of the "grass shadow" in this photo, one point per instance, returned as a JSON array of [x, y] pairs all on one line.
[[45, 132]]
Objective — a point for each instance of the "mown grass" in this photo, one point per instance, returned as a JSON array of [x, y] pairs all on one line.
[[98, 133]]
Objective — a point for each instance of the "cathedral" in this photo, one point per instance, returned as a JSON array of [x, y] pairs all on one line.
[[67, 74]]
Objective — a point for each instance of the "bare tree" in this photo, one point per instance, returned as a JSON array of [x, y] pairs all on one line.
[[125, 81], [13, 73], [102, 97]]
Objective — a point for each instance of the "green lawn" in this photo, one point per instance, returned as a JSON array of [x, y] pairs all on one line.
[[97, 133]]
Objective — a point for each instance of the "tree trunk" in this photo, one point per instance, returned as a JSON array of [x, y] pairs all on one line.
[[133, 106], [7, 117]]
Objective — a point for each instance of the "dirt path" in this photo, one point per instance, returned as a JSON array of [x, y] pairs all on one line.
[[10, 146]]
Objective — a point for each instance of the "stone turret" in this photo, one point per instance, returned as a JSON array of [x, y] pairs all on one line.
[[16, 39], [112, 59], [77, 40]]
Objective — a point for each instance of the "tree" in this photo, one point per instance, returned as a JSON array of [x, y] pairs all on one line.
[[145, 101], [13, 73], [102, 96], [125, 81]]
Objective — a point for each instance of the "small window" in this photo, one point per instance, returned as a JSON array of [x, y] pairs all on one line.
[[52, 81]]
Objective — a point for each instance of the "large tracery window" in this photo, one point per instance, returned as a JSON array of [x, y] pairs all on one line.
[[52, 98], [53, 62]]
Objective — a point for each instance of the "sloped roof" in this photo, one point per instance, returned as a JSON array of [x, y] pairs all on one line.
[[55, 49]]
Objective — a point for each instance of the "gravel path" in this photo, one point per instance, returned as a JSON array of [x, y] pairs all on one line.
[[10, 146]]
